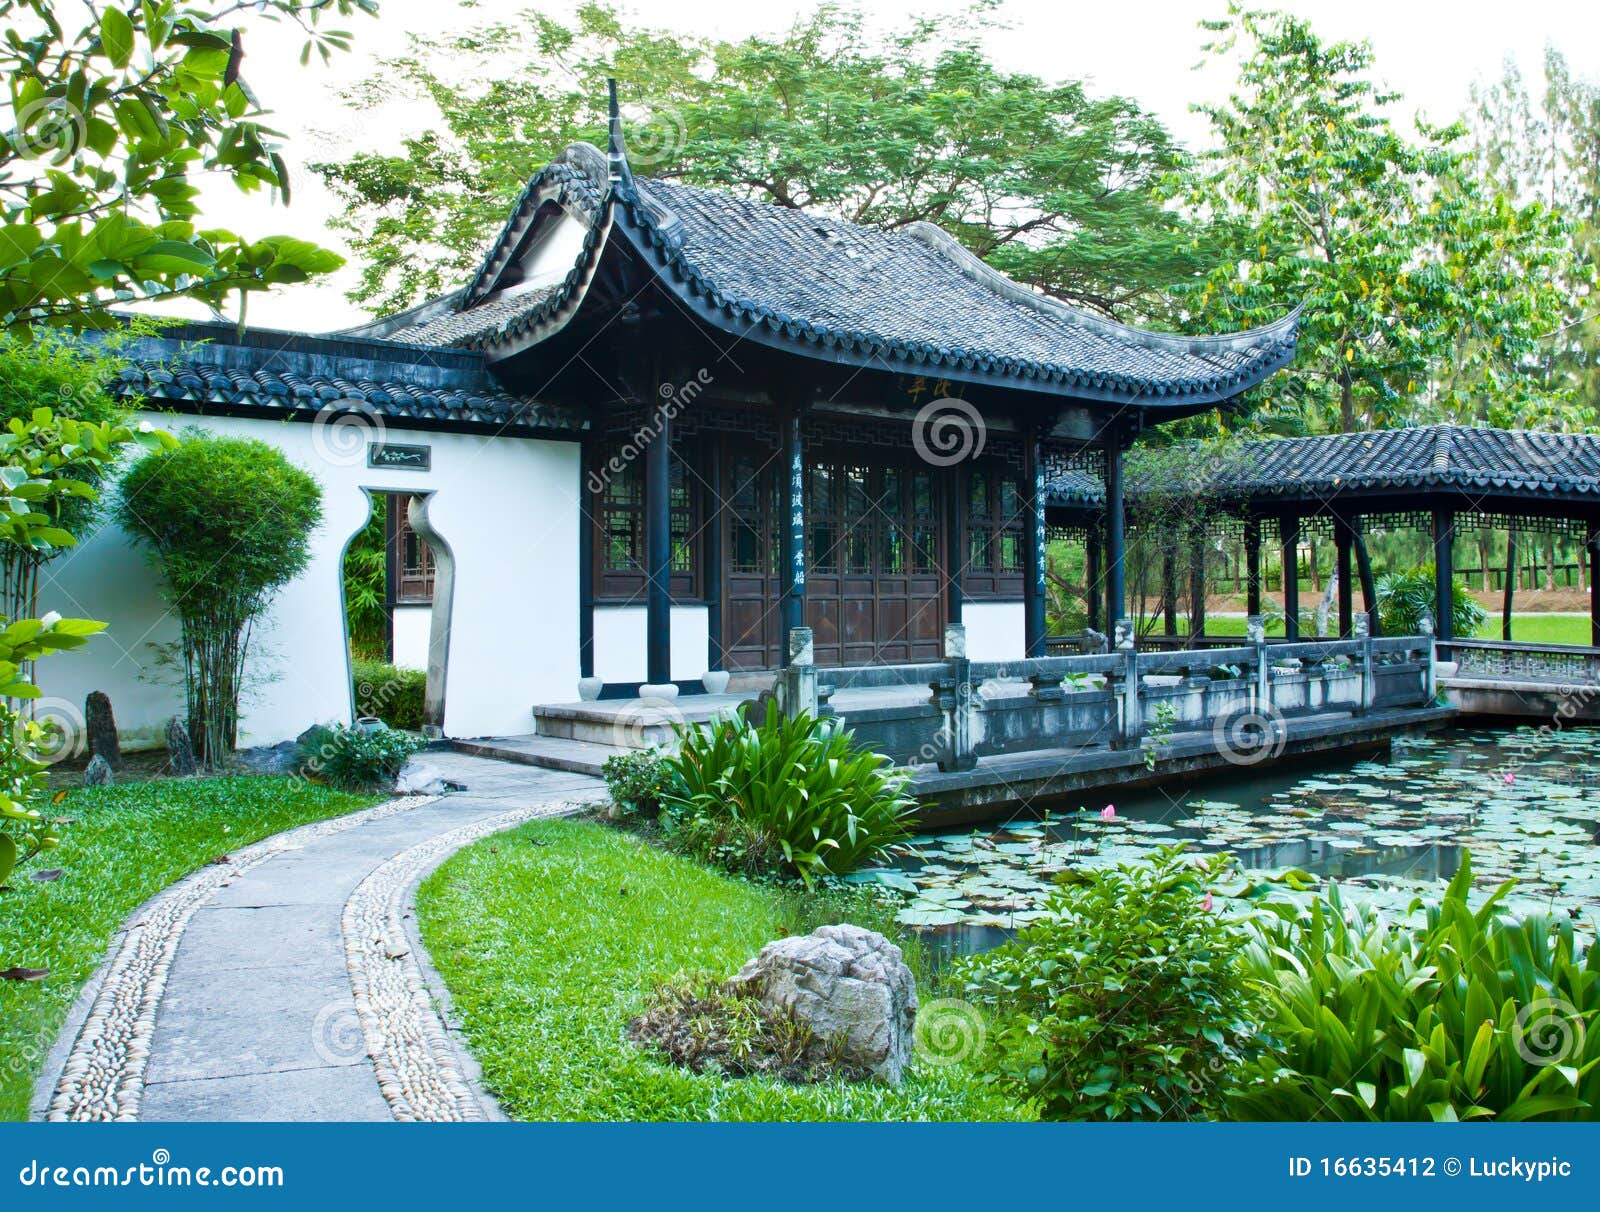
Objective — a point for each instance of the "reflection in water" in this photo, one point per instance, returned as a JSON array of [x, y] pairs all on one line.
[[1525, 803]]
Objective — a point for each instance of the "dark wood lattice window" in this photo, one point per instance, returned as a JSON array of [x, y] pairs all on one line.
[[413, 583], [996, 532], [619, 513]]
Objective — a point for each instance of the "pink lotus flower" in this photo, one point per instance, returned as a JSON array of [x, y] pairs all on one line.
[[1108, 813], [1510, 778], [1206, 902]]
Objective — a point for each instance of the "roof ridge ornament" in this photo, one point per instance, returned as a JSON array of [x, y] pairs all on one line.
[[616, 149]]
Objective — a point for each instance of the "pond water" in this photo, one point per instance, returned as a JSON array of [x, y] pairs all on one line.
[[1524, 801]]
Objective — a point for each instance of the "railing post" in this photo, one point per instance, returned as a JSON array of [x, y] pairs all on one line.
[[1256, 634], [952, 695], [1131, 722], [1361, 622], [797, 680], [1430, 655]]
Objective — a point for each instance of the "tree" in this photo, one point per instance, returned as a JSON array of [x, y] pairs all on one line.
[[1427, 293], [228, 522], [1547, 147], [1052, 185], [113, 111]]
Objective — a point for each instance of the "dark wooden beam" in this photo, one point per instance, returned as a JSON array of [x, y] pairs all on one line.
[[1444, 535], [1345, 590], [955, 541], [1369, 588], [1511, 584], [792, 575], [1594, 583], [1289, 542], [1169, 588], [658, 553], [1252, 566], [1094, 588], [1116, 535], [710, 540]]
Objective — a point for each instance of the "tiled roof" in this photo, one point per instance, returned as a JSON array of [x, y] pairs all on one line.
[[1455, 457], [914, 297], [206, 366]]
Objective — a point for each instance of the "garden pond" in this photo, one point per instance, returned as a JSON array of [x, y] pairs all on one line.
[[1386, 829]]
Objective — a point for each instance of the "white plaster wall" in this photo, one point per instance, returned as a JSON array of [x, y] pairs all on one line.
[[506, 507], [995, 630], [619, 642], [411, 625]]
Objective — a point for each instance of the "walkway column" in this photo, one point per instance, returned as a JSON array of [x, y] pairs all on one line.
[[1594, 583], [586, 525], [658, 554], [1252, 567], [1341, 551], [1369, 589], [1510, 587], [1169, 588], [1197, 581], [792, 612], [1444, 573], [1289, 543], [1116, 606], [711, 557], [1094, 592], [1033, 555], [955, 544]]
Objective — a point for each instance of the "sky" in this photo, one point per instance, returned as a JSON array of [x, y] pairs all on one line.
[[1147, 49]]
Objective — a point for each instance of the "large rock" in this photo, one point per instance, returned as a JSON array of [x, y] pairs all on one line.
[[180, 749], [282, 758], [98, 773], [850, 987], [101, 726]]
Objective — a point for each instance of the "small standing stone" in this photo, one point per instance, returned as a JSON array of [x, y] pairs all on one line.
[[102, 728], [180, 750], [98, 773]]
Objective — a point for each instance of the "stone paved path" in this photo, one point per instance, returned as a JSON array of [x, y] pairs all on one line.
[[257, 1018]]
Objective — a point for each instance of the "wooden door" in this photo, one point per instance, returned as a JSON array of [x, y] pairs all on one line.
[[752, 632]]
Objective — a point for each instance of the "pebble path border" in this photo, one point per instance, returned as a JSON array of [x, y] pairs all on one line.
[[417, 1066], [103, 1077]]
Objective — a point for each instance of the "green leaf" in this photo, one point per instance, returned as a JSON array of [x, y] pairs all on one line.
[[116, 36]]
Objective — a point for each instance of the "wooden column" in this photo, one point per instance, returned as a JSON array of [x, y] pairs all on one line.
[[1169, 589], [1369, 588], [792, 611], [1289, 543], [586, 524], [1116, 535], [1444, 534], [956, 543], [711, 539], [1511, 584], [1094, 590], [1197, 582], [1033, 554], [1594, 583], [658, 554], [1252, 567], [1341, 551]]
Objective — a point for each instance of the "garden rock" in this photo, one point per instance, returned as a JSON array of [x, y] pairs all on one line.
[[282, 758], [850, 987], [101, 726], [98, 773], [180, 749]]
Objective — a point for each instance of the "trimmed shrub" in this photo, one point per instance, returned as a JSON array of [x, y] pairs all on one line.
[[1468, 1017], [788, 797], [636, 781], [389, 693], [356, 759], [1403, 597], [1126, 1002], [228, 522]]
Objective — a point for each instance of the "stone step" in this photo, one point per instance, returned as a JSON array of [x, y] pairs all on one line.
[[623, 724], [552, 753]]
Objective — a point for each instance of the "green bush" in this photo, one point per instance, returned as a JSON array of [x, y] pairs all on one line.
[[389, 693], [356, 759], [788, 797], [1469, 1017], [1403, 597], [366, 587], [229, 522], [636, 781], [1126, 1002]]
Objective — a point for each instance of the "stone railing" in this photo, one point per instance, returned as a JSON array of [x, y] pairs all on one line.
[[1506, 661], [952, 712]]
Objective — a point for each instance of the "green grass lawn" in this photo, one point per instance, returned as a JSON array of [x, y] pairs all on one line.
[[550, 936], [121, 845], [1531, 627]]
